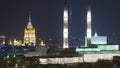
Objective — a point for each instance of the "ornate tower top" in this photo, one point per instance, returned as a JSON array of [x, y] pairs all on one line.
[[29, 22]]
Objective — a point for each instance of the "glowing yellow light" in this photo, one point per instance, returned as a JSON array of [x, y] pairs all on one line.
[[42, 43], [29, 36], [10, 42]]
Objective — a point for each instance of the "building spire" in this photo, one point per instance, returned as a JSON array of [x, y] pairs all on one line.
[[29, 22], [30, 16]]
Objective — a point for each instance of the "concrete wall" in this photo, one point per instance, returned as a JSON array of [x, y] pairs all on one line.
[[95, 57]]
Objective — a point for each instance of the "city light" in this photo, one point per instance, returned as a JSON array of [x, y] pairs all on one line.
[[35, 42]]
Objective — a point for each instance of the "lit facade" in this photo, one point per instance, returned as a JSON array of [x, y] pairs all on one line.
[[98, 39], [108, 47], [10, 42], [65, 27], [2, 39], [42, 43], [29, 34], [17, 42]]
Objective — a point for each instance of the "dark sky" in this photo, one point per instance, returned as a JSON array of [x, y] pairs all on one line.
[[47, 17]]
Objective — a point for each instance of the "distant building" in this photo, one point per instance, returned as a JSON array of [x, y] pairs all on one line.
[[10, 42], [29, 34], [41, 43], [2, 40], [39, 51], [17, 42], [108, 47], [98, 39]]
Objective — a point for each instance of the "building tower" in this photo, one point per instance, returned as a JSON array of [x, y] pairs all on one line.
[[89, 32], [65, 27], [29, 34]]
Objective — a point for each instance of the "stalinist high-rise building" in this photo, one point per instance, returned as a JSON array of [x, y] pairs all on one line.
[[29, 34]]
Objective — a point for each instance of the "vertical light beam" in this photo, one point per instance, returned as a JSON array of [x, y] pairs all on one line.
[[65, 28]]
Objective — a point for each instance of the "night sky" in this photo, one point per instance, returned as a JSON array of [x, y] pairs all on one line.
[[47, 17]]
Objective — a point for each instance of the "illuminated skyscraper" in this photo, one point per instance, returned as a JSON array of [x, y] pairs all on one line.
[[89, 32], [65, 28], [29, 34]]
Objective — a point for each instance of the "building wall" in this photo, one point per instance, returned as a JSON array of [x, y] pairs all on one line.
[[29, 36], [96, 57], [39, 51], [108, 47], [2, 39], [63, 60]]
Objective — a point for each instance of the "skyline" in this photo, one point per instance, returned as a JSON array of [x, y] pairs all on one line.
[[17, 14]]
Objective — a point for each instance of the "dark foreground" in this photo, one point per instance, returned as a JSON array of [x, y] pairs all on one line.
[[34, 63], [80, 65]]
